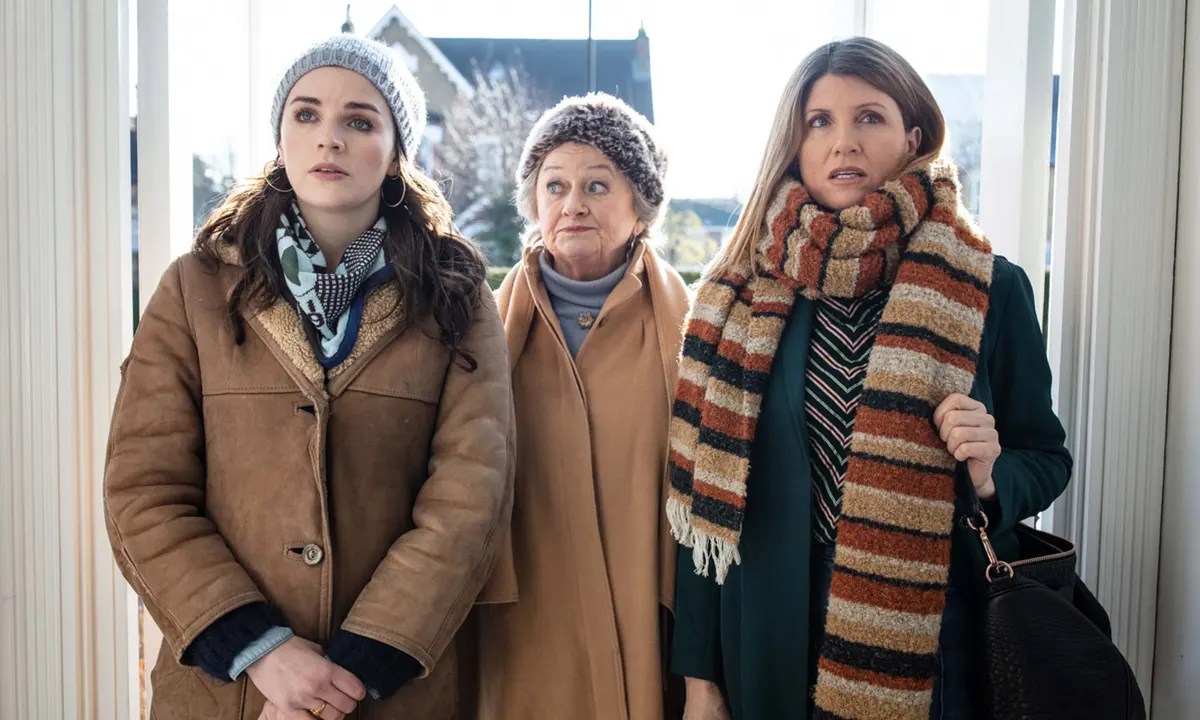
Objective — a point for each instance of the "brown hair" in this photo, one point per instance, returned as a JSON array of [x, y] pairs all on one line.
[[860, 57], [439, 272]]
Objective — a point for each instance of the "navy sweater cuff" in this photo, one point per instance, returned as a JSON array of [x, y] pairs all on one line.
[[215, 648], [382, 668]]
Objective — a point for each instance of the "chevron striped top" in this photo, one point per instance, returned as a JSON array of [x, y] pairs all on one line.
[[843, 333]]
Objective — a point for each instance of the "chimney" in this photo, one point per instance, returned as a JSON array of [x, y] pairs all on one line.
[[641, 55]]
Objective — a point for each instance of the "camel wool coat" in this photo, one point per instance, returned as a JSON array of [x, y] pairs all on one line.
[[591, 557]]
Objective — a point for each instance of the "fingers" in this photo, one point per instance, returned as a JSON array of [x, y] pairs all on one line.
[[957, 401], [968, 430], [966, 435], [982, 451], [342, 690], [336, 701], [325, 696], [325, 684], [329, 712], [306, 713], [303, 680], [346, 682], [954, 419]]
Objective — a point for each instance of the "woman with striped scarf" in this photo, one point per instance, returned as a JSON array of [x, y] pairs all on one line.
[[854, 351]]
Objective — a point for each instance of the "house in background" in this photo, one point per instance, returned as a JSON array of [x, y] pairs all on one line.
[[445, 68], [695, 229]]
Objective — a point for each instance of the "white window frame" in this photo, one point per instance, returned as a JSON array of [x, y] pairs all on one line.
[[1015, 164]]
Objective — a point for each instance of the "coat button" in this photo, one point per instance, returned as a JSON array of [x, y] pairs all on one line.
[[313, 554]]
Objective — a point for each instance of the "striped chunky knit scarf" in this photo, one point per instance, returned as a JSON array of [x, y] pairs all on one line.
[[893, 548]]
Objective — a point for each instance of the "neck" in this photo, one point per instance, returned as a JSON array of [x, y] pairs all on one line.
[[587, 268], [581, 292], [334, 230]]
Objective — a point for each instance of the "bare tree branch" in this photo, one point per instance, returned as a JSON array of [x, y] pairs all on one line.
[[480, 155]]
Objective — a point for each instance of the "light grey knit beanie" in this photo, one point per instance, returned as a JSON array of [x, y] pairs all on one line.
[[379, 64], [608, 124]]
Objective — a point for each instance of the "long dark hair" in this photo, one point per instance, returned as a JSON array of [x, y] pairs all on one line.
[[439, 272]]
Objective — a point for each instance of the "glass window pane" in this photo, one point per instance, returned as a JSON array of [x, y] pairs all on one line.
[[946, 42], [213, 56]]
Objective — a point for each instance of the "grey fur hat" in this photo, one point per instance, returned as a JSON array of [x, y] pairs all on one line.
[[606, 123], [379, 64]]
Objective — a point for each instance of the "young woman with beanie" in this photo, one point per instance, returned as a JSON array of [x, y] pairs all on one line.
[[310, 459]]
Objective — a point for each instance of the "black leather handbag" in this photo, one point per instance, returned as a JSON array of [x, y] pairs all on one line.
[[1045, 643]]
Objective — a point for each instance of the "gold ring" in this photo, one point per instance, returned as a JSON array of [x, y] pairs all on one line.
[[318, 711]]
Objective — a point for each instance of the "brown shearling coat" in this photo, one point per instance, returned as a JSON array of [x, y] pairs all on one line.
[[373, 499]]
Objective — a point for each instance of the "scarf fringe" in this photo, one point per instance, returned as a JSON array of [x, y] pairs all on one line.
[[679, 516], [720, 552], [707, 550]]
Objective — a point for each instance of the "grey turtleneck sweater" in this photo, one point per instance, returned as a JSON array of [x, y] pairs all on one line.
[[571, 298]]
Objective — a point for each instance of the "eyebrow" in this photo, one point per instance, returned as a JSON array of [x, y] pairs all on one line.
[[858, 107], [597, 166], [352, 105]]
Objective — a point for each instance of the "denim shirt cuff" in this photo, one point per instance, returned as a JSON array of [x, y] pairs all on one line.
[[255, 651]]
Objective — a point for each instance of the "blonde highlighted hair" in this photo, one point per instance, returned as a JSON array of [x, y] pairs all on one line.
[[866, 59]]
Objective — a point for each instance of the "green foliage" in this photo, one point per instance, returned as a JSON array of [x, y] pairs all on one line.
[[501, 225], [683, 241], [495, 276]]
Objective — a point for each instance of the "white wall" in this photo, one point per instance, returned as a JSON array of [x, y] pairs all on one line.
[[1177, 656]]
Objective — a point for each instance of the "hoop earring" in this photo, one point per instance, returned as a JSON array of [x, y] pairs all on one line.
[[274, 165], [383, 195]]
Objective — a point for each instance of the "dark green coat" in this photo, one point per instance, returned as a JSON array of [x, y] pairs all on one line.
[[751, 634]]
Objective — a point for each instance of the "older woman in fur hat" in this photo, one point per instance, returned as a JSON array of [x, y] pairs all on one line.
[[593, 319]]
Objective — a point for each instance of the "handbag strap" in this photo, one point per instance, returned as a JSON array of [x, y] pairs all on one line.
[[976, 520], [969, 504]]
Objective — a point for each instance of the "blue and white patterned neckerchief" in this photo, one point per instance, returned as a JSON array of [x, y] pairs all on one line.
[[323, 297]]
